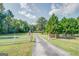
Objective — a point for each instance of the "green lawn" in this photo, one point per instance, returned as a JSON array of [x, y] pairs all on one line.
[[16, 44], [71, 46]]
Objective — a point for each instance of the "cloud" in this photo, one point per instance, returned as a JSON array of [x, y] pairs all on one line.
[[22, 12], [29, 7], [30, 16], [28, 10], [54, 11], [23, 5], [64, 9]]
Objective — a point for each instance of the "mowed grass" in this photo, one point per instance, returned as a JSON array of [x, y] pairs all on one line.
[[17, 45], [71, 46]]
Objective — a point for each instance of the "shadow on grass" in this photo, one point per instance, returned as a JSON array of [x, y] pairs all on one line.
[[14, 43], [32, 41], [3, 54], [8, 37]]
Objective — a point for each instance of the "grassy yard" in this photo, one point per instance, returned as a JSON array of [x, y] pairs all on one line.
[[16, 44], [71, 46]]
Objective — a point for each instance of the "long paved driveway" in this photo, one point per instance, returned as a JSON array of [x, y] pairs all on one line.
[[43, 48]]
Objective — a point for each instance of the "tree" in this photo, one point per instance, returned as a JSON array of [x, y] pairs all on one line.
[[25, 26], [9, 13], [8, 24], [2, 16], [52, 26], [41, 22], [6, 21], [21, 26], [1, 7], [77, 19], [32, 28], [69, 25]]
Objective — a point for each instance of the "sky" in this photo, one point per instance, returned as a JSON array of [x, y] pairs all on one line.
[[30, 12]]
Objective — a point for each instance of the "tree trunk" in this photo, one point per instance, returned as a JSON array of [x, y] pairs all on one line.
[[48, 36], [72, 35], [65, 36], [56, 36]]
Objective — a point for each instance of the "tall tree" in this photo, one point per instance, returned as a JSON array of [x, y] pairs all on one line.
[[41, 22], [2, 16], [21, 26], [9, 13], [69, 25], [77, 19], [1, 7], [52, 25], [32, 28], [6, 21]]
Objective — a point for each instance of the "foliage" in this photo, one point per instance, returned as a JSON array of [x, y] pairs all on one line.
[[69, 25], [52, 25], [32, 28], [64, 26], [41, 22], [1, 7], [8, 24]]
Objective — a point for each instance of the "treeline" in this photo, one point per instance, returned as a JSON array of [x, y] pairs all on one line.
[[66, 26], [55, 27], [8, 24]]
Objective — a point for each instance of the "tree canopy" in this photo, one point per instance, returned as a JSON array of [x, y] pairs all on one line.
[[8, 24], [41, 22]]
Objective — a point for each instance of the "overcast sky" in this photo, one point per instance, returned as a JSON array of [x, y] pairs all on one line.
[[30, 12]]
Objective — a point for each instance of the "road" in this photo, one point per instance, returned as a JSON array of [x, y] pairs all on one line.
[[43, 48]]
